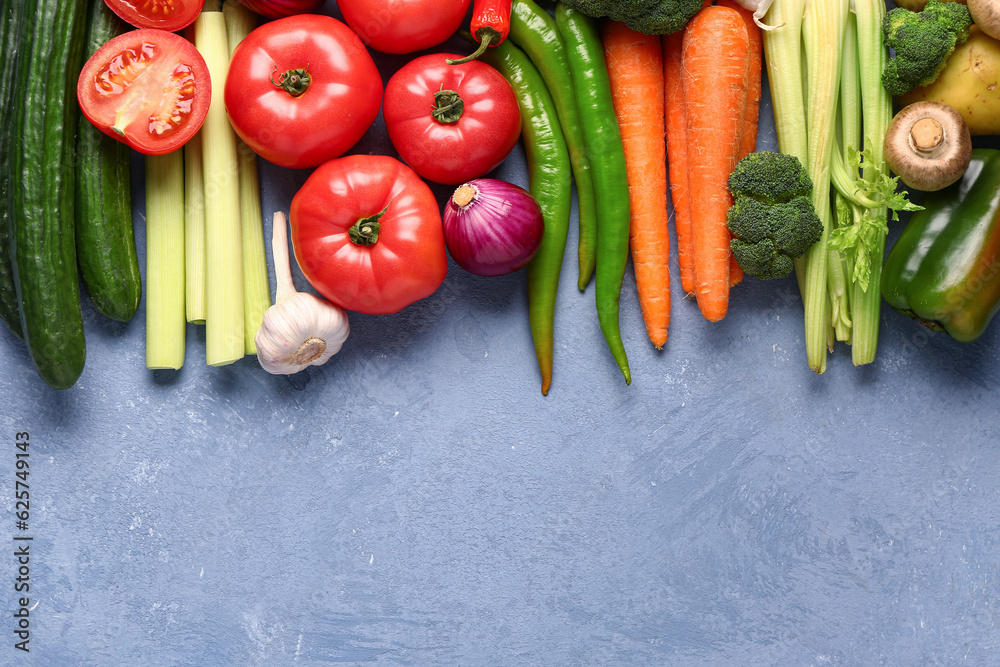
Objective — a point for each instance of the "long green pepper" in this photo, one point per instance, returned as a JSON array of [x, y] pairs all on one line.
[[551, 186], [604, 146], [534, 30]]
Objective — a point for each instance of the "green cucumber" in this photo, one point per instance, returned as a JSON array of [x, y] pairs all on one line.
[[43, 247], [10, 36], [105, 241]]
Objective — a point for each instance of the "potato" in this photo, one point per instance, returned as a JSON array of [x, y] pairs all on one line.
[[917, 5], [969, 82]]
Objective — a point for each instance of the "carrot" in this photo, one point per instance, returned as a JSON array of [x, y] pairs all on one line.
[[676, 134], [635, 70], [752, 116], [715, 76]]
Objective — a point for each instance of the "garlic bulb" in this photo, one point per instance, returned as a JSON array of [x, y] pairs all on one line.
[[300, 329]]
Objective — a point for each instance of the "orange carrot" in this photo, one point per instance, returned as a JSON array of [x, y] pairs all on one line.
[[676, 127], [715, 76], [752, 117], [676, 130], [635, 70]]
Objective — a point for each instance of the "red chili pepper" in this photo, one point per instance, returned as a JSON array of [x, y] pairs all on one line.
[[490, 26]]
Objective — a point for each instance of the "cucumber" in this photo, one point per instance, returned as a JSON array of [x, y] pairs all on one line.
[[43, 247], [105, 242], [10, 35]]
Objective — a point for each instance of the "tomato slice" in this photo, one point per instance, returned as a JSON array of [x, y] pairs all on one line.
[[147, 88], [169, 15]]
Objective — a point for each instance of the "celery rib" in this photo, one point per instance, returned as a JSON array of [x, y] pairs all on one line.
[[224, 324], [165, 314], [194, 230], [240, 21]]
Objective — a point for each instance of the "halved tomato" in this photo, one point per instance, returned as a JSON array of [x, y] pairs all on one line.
[[169, 15], [147, 88]]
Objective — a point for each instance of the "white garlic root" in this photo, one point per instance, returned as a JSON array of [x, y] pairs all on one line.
[[300, 329]]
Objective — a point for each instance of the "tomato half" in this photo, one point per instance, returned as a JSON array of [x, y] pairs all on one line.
[[302, 90], [403, 26], [169, 15], [147, 88], [367, 234], [451, 123]]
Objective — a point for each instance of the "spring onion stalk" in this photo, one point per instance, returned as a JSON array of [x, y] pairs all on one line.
[[165, 315], [877, 114], [194, 230], [256, 289], [224, 323]]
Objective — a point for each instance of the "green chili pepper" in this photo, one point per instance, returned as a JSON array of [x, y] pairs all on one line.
[[944, 270], [550, 185], [604, 146], [534, 30]]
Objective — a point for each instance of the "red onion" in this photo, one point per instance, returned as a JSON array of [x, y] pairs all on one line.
[[492, 227], [276, 9]]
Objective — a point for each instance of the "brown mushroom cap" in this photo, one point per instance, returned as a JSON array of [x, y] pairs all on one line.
[[986, 15], [928, 145]]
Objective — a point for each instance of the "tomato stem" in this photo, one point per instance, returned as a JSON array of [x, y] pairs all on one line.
[[448, 106], [294, 81], [365, 231]]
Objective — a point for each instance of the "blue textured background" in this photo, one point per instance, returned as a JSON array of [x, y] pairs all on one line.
[[417, 501]]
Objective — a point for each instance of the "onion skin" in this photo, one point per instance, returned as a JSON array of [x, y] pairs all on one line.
[[276, 9], [492, 227]]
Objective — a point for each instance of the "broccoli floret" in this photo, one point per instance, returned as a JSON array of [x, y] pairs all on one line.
[[922, 42], [652, 17], [772, 218], [771, 177]]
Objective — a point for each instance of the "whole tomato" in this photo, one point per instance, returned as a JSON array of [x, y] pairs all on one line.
[[302, 90], [403, 26], [451, 123], [367, 234]]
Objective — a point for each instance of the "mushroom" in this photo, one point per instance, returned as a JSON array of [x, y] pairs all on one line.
[[928, 145], [986, 15]]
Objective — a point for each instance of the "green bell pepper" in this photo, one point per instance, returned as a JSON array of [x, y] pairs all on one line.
[[945, 268]]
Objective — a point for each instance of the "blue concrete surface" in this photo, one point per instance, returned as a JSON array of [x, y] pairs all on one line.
[[417, 501]]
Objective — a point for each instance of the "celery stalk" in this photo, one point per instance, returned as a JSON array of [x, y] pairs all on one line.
[[165, 317], [224, 324], [849, 136], [256, 289], [194, 230], [877, 113], [823, 34]]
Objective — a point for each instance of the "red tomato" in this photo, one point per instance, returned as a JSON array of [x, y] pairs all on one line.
[[403, 26], [456, 145], [147, 88], [275, 9], [169, 15], [302, 90], [367, 234]]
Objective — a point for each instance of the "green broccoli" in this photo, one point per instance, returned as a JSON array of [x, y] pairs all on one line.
[[772, 218], [652, 17], [922, 42]]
